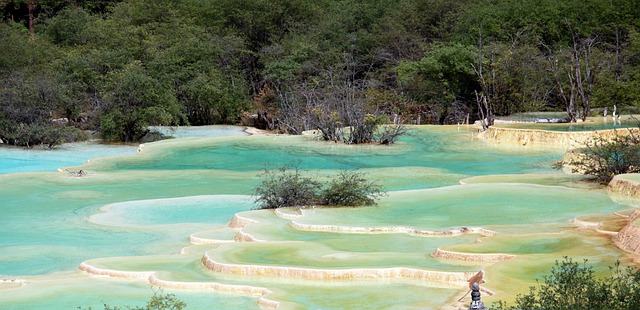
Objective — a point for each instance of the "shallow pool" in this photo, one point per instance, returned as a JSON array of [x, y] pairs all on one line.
[[165, 212]]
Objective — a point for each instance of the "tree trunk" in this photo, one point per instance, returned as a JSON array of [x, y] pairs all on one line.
[[32, 22]]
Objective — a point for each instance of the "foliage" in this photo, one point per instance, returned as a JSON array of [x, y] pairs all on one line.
[[351, 188], [159, 301], [603, 158], [323, 64], [288, 186], [134, 101], [443, 76], [68, 27], [26, 113], [575, 286]]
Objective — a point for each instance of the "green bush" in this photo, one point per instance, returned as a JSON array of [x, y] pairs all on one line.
[[351, 188], [575, 286], [288, 186], [159, 301]]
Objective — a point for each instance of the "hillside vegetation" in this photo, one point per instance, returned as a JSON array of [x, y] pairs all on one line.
[[117, 67]]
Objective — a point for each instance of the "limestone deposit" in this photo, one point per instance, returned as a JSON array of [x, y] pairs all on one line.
[[391, 230], [535, 137], [628, 238], [153, 279], [625, 185], [335, 274], [472, 257]]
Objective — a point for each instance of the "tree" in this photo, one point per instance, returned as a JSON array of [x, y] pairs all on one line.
[[30, 105], [443, 77], [68, 27], [484, 98], [335, 102], [575, 286], [134, 101]]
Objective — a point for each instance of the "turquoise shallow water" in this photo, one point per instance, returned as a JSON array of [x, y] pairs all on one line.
[[34, 160], [473, 205], [73, 154], [137, 212], [441, 149]]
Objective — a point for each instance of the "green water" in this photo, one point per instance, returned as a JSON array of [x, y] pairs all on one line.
[[136, 213], [472, 205]]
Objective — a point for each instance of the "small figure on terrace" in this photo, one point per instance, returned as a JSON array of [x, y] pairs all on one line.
[[476, 304]]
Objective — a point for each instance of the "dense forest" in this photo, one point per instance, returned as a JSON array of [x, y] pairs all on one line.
[[115, 67]]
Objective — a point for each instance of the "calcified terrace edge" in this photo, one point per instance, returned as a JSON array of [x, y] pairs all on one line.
[[293, 213], [628, 238], [152, 278], [595, 226], [475, 257], [240, 222], [378, 230], [564, 139], [335, 274]]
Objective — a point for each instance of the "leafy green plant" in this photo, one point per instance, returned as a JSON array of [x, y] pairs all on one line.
[[351, 188], [288, 186], [159, 301], [575, 286]]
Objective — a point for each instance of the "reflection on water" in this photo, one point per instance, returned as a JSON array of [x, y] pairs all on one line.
[[160, 211]]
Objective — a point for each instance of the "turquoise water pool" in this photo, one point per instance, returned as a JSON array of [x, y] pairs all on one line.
[[13, 159], [136, 213]]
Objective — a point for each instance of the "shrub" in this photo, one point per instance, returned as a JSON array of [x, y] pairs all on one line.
[[286, 187], [604, 158], [351, 188], [159, 301], [390, 133], [575, 286]]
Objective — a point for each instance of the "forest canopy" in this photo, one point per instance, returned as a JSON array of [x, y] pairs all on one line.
[[116, 67]]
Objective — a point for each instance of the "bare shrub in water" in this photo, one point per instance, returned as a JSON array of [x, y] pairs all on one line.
[[390, 133], [575, 286]]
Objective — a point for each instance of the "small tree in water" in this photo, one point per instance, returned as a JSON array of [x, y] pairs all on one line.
[[287, 186], [351, 188]]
